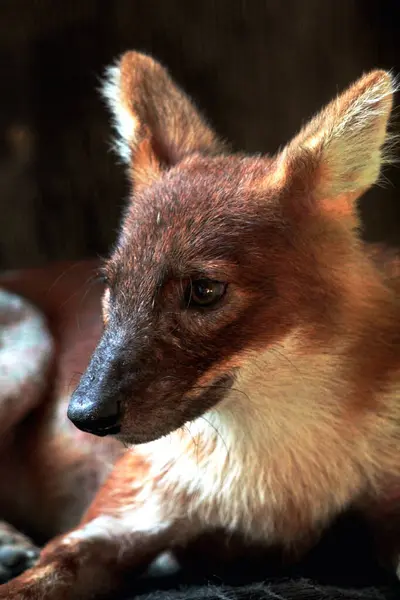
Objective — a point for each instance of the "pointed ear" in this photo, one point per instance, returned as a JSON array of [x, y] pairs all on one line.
[[156, 123], [338, 155]]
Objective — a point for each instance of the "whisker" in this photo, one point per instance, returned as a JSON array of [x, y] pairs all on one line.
[[93, 278], [219, 386], [275, 350], [73, 376], [59, 277], [89, 283], [196, 445], [217, 432]]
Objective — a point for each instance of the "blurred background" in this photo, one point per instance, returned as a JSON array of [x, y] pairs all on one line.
[[257, 68]]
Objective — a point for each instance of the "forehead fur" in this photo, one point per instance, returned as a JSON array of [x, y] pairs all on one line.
[[206, 205]]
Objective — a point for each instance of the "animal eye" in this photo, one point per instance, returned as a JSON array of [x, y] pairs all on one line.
[[103, 278], [204, 293]]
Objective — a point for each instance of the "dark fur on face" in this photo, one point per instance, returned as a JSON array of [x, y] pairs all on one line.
[[257, 225], [181, 229], [172, 361]]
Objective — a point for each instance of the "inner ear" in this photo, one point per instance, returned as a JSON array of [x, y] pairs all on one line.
[[157, 124], [338, 155]]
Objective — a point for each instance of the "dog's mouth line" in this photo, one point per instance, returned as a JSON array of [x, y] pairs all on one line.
[[221, 384], [104, 431]]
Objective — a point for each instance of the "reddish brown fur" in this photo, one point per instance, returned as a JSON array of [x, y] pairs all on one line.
[[280, 232], [43, 473]]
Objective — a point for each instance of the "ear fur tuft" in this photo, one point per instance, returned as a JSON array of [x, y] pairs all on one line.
[[123, 120], [348, 142], [145, 103]]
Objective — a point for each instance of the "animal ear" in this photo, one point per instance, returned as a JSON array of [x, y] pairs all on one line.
[[338, 155], [156, 123]]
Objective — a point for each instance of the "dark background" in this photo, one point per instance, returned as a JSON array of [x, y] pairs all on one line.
[[258, 69]]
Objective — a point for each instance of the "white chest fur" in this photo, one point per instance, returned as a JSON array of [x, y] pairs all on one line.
[[272, 452]]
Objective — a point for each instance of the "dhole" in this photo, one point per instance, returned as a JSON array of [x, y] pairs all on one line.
[[249, 359]]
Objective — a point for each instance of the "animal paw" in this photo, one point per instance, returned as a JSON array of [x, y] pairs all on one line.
[[17, 552]]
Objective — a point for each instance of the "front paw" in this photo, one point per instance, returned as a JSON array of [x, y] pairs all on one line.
[[35, 584], [17, 553]]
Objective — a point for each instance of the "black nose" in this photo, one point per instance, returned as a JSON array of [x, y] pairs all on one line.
[[95, 406], [100, 419]]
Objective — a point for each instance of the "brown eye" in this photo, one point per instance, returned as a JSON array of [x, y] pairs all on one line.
[[204, 293], [104, 282]]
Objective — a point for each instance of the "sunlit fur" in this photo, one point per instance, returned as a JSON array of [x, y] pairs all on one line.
[[281, 454], [124, 121], [262, 452], [350, 137], [309, 337]]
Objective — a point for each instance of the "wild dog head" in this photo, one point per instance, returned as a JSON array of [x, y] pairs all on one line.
[[219, 254]]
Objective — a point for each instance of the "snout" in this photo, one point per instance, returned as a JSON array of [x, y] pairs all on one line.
[[96, 405]]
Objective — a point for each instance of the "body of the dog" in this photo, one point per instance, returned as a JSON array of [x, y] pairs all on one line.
[[249, 357]]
